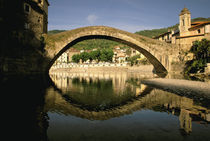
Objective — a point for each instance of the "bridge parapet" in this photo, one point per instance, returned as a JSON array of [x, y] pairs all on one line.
[[160, 54]]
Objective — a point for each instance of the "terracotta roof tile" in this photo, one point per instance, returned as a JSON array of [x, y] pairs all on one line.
[[196, 25]]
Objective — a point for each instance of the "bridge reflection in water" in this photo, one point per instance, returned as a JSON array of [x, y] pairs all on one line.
[[103, 96]]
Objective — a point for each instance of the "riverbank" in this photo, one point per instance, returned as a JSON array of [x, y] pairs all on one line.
[[135, 69], [195, 89]]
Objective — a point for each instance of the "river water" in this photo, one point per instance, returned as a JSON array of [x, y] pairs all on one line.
[[99, 106]]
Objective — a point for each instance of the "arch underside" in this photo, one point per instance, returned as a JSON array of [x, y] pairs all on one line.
[[159, 68]]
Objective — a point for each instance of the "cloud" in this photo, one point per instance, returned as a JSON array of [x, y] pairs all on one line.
[[91, 18]]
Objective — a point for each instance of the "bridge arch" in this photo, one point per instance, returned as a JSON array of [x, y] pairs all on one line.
[[155, 51]]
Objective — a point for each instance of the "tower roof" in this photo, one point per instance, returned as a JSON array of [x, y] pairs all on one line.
[[184, 11]]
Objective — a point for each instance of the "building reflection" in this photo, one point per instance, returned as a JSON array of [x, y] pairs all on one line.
[[185, 108], [64, 81]]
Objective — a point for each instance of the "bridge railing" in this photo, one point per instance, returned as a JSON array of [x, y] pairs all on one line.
[[73, 65]]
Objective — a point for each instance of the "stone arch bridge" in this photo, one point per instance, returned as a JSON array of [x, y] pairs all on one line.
[[160, 54]]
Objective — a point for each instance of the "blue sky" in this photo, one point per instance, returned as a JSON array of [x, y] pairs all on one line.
[[128, 15]]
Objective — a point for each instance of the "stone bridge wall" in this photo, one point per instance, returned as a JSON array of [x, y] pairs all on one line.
[[160, 54]]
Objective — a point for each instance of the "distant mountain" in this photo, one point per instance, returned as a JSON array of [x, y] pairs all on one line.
[[156, 32], [55, 31]]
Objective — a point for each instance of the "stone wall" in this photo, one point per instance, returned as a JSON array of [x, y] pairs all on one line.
[[22, 65], [135, 69], [186, 43], [21, 54], [177, 67], [159, 54], [207, 69]]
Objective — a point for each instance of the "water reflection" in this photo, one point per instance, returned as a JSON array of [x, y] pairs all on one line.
[[99, 107], [98, 91], [107, 96]]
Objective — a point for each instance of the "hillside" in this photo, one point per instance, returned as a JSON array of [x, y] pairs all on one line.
[[102, 43], [55, 31], [148, 33], [92, 43], [97, 44], [156, 32]]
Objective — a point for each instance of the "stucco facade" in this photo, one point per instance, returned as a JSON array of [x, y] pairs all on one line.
[[187, 32], [37, 14]]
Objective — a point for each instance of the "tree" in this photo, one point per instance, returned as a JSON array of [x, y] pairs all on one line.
[[201, 51], [84, 56], [109, 55], [106, 55], [76, 58], [103, 57], [94, 55], [133, 60], [99, 55]]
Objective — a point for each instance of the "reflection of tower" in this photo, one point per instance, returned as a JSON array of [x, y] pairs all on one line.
[[185, 121], [119, 82]]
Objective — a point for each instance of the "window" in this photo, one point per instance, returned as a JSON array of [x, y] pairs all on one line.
[[39, 1], [27, 8], [199, 31], [183, 22], [39, 20], [27, 26]]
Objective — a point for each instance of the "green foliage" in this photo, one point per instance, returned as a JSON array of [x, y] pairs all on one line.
[[133, 60], [201, 51], [104, 55], [152, 33], [95, 55], [51, 32], [84, 56], [103, 58], [92, 43], [200, 19], [155, 32], [99, 95], [76, 58], [95, 44], [193, 66]]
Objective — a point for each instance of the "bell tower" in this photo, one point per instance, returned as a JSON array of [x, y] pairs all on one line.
[[184, 21]]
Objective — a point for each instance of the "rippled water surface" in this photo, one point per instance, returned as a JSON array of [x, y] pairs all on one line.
[[105, 107]]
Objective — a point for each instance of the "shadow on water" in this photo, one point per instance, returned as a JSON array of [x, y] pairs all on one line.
[[30, 99], [23, 100]]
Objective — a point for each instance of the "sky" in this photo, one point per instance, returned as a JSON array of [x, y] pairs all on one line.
[[127, 15]]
